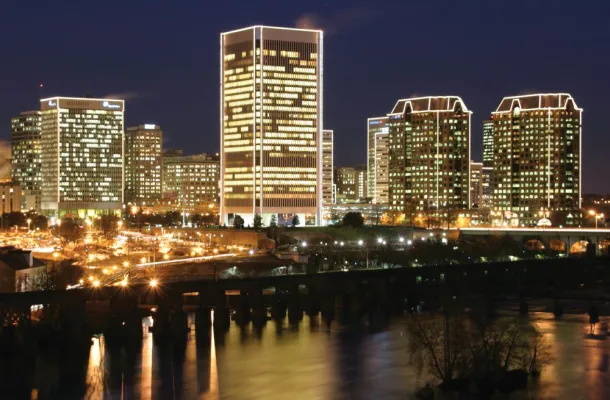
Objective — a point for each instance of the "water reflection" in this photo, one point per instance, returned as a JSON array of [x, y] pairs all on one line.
[[309, 360]]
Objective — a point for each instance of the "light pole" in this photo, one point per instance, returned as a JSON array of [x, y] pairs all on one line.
[[366, 249], [29, 221], [596, 216]]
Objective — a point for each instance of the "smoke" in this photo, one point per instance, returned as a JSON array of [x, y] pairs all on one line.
[[5, 160], [339, 21], [308, 21], [131, 95]]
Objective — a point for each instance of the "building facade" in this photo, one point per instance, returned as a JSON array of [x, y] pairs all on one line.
[[351, 184], [488, 160], [371, 212], [537, 160], [81, 145], [25, 157], [11, 197], [328, 193], [429, 156], [476, 184], [143, 163], [191, 183], [377, 159], [271, 124]]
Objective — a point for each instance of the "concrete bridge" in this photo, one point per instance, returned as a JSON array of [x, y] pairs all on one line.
[[371, 295], [565, 240]]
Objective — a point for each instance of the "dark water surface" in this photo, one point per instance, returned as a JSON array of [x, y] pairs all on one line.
[[309, 361]]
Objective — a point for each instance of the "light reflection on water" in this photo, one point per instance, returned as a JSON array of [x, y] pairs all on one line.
[[308, 361]]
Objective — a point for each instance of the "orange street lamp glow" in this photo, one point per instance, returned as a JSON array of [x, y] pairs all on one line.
[[153, 283], [96, 283]]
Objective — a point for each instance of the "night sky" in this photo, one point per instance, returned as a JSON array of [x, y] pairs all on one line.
[[162, 57]]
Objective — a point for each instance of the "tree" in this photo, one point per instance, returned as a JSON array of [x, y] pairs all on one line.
[[53, 276], [40, 221], [13, 218], [69, 231], [455, 344], [258, 221], [273, 222], [108, 223], [295, 221], [238, 222], [353, 219], [392, 218]]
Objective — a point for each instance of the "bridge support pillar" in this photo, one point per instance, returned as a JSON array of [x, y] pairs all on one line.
[[259, 310], [203, 320], [278, 307], [125, 322]]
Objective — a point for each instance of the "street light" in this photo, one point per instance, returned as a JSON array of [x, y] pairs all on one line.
[[596, 216], [153, 283], [360, 242], [29, 221], [401, 239]]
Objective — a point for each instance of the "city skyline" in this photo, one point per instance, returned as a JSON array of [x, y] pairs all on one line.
[[147, 97]]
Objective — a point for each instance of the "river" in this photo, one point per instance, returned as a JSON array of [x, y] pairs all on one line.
[[309, 361]]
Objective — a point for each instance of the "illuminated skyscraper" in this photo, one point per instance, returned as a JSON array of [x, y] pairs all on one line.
[[143, 162], [537, 162], [82, 155], [487, 173], [25, 157], [488, 143], [271, 124], [377, 159], [328, 195], [476, 184], [429, 154]]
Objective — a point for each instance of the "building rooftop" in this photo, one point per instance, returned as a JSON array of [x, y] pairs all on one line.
[[429, 104], [537, 101], [18, 259]]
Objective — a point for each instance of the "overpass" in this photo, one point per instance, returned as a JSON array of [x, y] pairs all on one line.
[[561, 239]]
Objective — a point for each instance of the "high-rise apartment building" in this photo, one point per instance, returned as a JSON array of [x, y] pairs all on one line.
[[488, 160], [377, 159], [476, 184], [81, 145], [271, 124], [328, 194], [191, 182], [25, 157], [488, 142], [351, 184], [537, 161], [143, 163], [429, 155]]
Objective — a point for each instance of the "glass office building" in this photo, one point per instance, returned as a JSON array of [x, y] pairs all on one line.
[[81, 144], [271, 124], [143, 162], [328, 194], [377, 159]]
